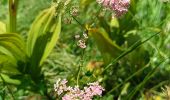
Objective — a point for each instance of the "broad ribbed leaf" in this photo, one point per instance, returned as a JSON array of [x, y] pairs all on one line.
[[37, 54], [12, 45], [8, 65], [36, 29], [12, 51], [42, 38], [7, 53], [54, 38], [44, 34]]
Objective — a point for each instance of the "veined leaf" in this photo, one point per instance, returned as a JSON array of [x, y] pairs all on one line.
[[8, 66], [54, 39], [11, 44], [42, 38], [44, 44], [7, 61], [35, 30], [37, 54], [12, 51], [7, 53]]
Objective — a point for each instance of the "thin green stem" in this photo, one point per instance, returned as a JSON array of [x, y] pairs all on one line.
[[78, 75], [13, 4], [130, 77], [80, 67], [134, 74], [129, 50], [81, 25]]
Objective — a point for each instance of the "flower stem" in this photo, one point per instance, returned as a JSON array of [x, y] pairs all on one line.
[[81, 25], [80, 66]]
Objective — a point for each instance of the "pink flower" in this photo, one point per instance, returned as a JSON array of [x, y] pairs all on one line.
[[120, 7], [81, 43], [96, 89], [106, 2], [67, 97], [60, 86], [75, 93]]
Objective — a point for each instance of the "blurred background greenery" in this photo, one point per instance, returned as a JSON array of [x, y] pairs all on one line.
[[142, 74]]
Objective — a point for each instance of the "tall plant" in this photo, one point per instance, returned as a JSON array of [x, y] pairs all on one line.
[[20, 59]]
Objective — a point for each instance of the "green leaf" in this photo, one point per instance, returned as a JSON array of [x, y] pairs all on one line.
[[9, 69], [130, 49], [9, 80], [50, 28], [42, 38], [124, 91], [8, 65], [6, 53], [43, 46], [54, 38], [12, 44], [108, 48], [12, 51], [114, 23], [2, 27], [35, 30], [140, 56]]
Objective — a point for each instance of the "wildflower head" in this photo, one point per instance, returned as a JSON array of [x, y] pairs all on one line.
[[82, 41], [75, 93], [74, 11], [120, 7], [60, 86]]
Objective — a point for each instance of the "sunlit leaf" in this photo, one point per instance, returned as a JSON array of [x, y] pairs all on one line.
[[108, 48], [42, 38], [54, 38], [2, 27], [35, 30], [114, 22], [12, 44]]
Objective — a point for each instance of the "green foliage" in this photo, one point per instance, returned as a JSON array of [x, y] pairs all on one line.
[[42, 38], [12, 46], [108, 48], [2, 27], [23, 61], [128, 55]]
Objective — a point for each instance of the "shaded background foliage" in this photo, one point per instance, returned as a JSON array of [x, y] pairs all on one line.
[[139, 74]]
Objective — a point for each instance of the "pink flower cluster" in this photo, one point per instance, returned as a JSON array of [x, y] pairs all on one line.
[[75, 93], [119, 6]]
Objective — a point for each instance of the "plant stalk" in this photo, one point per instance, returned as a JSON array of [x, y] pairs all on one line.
[[80, 67], [13, 4]]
